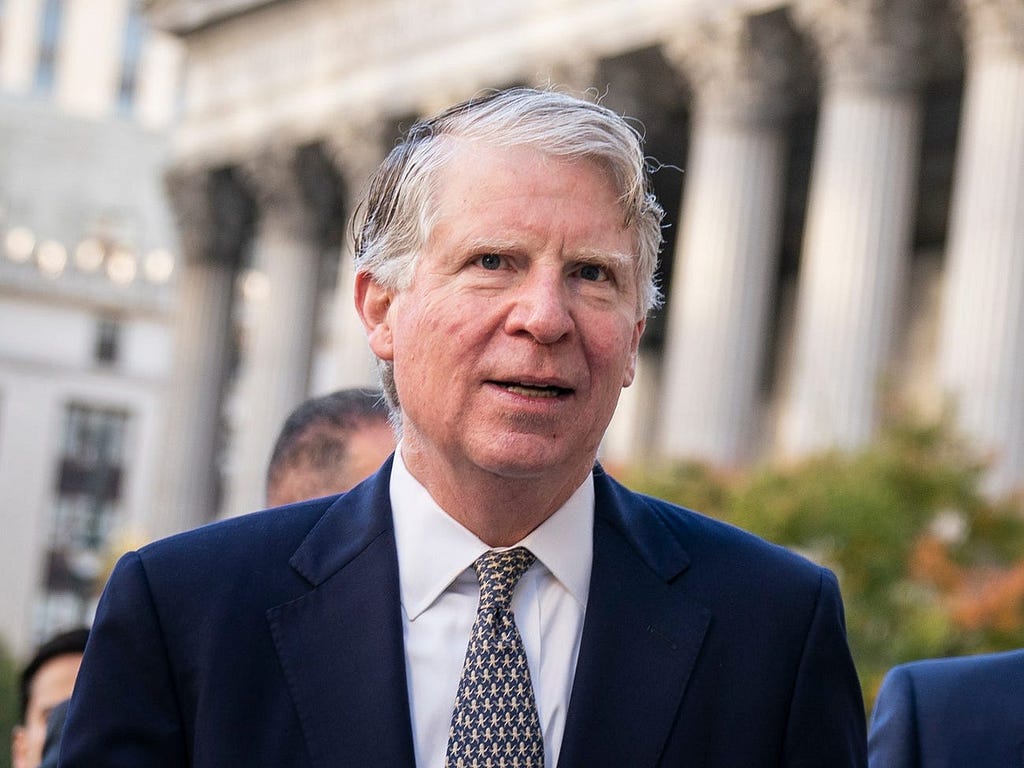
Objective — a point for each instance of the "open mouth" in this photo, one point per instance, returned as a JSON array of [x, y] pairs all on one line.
[[533, 390]]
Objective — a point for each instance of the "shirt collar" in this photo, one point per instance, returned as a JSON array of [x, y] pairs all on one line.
[[564, 543]]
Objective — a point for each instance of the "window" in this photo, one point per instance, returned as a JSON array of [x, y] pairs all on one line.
[[85, 513], [49, 39], [131, 52], [108, 341]]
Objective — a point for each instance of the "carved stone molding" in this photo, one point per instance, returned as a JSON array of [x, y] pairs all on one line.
[[273, 177], [741, 67], [879, 45], [297, 191], [213, 211], [995, 25], [356, 150], [577, 74], [183, 16]]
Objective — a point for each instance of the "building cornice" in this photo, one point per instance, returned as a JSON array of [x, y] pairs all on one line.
[[185, 17]]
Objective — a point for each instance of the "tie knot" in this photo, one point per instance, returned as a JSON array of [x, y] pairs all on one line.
[[499, 572]]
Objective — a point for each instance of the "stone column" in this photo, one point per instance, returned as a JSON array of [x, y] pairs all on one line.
[[214, 219], [981, 354], [740, 70], [357, 151], [279, 319], [860, 217]]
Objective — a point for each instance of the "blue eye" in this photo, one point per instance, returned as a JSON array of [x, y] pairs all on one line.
[[592, 272], [490, 261]]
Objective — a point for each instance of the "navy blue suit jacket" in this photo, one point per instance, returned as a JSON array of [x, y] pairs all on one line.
[[947, 713], [275, 640]]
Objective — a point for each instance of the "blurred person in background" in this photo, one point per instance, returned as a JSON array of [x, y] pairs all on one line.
[[46, 682], [965, 712], [54, 729], [329, 444]]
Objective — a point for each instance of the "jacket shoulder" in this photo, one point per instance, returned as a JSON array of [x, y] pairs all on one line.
[[991, 671], [256, 535], [708, 542]]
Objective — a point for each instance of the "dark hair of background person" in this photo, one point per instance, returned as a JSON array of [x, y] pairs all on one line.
[[316, 435], [70, 642]]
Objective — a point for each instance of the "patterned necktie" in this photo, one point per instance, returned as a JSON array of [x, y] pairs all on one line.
[[495, 723]]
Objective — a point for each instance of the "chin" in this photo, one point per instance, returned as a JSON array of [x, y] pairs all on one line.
[[530, 456]]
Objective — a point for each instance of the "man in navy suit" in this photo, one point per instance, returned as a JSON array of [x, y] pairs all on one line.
[[505, 267], [947, 713]]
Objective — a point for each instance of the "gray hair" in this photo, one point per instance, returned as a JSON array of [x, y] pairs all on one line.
[[398, 212]]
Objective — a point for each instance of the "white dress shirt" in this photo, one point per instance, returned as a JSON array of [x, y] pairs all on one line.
[[439, 601]]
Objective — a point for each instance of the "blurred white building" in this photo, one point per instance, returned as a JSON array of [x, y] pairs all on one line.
[[88, 273], [849, 222]]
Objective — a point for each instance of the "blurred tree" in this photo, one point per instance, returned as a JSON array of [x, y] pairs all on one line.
[[928, 565], [8, 702]]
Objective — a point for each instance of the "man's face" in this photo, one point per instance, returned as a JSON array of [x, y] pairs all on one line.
[[521, 326], [52, 684], [367, 446]]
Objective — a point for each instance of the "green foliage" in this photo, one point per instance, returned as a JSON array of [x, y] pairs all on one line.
[[8, 703], [928, 565]]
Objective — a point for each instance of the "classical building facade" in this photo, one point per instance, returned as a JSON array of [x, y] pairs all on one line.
[[845, 182], [87, 292]]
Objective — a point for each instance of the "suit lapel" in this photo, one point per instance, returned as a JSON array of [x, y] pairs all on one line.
[[640, 639], [340, 644]]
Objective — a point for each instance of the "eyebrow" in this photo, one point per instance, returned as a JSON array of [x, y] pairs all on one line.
[[488, 245], [610, 259]]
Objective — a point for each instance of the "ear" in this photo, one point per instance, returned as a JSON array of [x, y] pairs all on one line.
[[630, 372], [18, 747], [373, 302]]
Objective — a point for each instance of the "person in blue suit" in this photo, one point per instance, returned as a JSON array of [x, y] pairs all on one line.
[[505, 265], [948, 713]]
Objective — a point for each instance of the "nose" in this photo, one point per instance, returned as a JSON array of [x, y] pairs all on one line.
[[540, 308]]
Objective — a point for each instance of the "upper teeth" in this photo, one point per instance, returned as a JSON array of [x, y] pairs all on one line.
[[533, 390]]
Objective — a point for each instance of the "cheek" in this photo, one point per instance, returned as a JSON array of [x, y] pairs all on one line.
[[411, 328], [612, 352], [445, 331], [427, 344]]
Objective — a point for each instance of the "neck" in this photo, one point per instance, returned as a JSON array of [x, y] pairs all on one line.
[[497, 509]]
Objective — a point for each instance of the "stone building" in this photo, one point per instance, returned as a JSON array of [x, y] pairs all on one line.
[[87, 289], [847, 224]]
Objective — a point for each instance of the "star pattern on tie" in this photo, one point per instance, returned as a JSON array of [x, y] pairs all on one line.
[[495, 722]]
